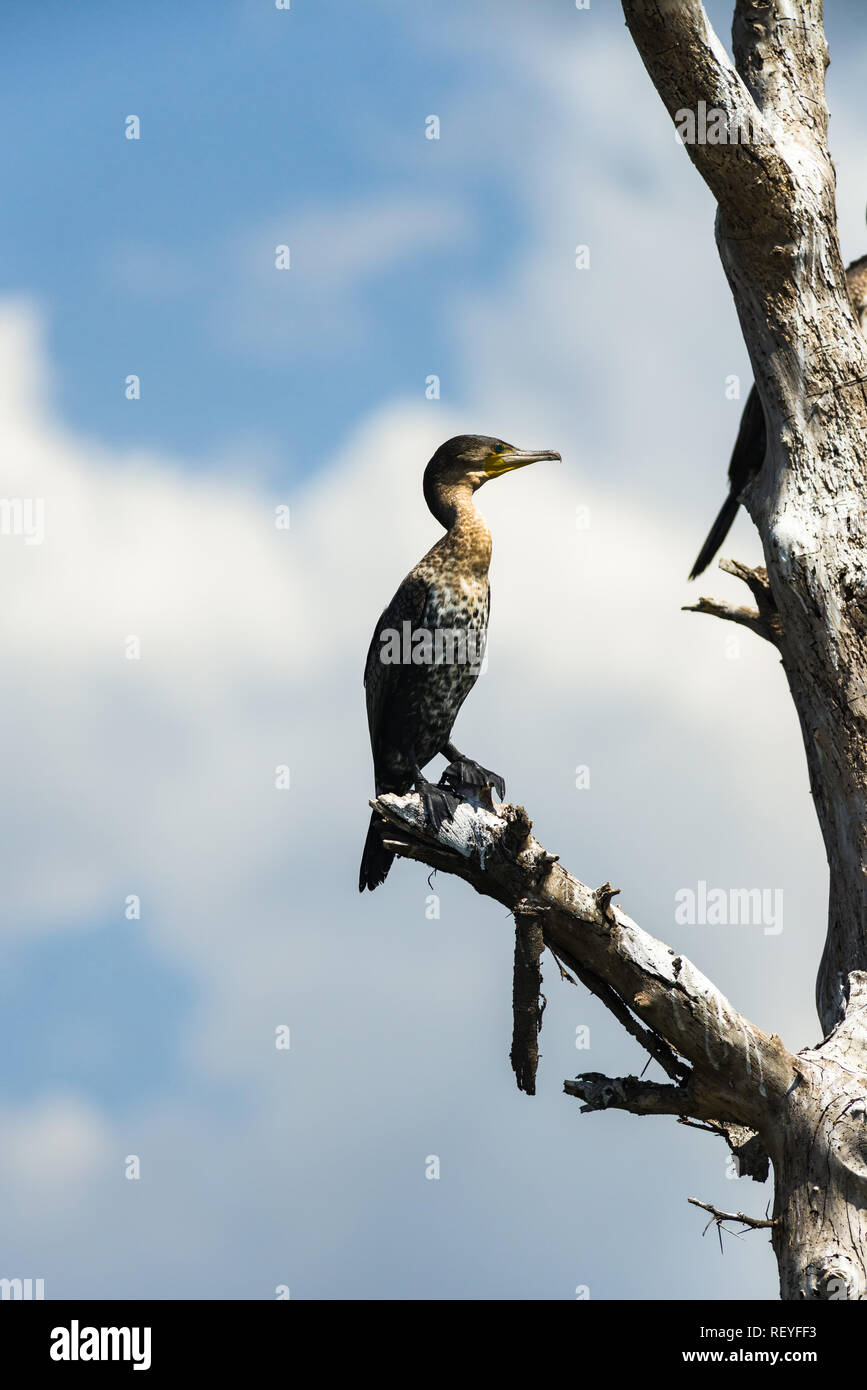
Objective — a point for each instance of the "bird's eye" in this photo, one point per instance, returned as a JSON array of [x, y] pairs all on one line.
[[500, 449]]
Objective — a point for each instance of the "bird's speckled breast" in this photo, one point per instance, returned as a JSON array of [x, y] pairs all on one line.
[[434, 692], [447, 685]]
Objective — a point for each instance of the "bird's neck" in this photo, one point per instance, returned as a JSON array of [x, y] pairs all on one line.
[[468, 539]]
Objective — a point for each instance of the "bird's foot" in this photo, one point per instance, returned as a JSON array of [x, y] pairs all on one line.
[[464, 775], [439, 803]]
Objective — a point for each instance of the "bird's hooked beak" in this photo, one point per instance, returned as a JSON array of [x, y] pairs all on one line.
[[495, 464]]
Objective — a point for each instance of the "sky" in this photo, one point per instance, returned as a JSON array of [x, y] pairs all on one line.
[[171, 907]]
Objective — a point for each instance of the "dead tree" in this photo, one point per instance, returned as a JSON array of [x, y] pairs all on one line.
[[776, 232]]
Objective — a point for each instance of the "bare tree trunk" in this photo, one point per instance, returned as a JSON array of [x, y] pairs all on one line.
[[777, 237]]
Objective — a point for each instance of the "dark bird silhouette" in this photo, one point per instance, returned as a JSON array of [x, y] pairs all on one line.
[[748, 454], [427, 648]]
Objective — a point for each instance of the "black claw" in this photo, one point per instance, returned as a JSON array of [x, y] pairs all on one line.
[[439, 804], [466, 775]]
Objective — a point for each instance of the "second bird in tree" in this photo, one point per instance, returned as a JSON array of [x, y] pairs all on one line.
[[748, 454]]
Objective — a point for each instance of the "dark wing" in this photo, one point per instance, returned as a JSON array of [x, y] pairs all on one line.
[[382, 678], [747, 458], [748, 454]]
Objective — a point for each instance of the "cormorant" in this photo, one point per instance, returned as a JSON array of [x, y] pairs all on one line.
[[428, 645], [748, 454]]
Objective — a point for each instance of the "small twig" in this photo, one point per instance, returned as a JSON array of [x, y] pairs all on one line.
[[763, 620], [708, 1128], [746, 1147], [564, 973], [603, 898], [756, 581], [718, 608], [651, 1042], [718, 1217]]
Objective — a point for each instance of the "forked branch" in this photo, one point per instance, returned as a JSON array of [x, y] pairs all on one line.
[[731, 1071]]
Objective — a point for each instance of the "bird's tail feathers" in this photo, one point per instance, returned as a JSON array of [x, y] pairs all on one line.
[[376, 859], [717, 534]]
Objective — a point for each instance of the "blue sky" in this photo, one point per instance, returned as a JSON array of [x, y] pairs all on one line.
[[155, 777], [252, 119]]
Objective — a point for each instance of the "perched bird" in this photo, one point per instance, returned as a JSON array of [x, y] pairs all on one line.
[[428, 645], [749, 452]]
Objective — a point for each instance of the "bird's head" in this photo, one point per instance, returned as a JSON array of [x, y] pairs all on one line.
[[471, 459]]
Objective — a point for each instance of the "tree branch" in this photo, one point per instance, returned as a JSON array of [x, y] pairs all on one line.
[[688, 65], [764, 620], [601, 1092], [754, 1223], [738, 1073], [745, 617]]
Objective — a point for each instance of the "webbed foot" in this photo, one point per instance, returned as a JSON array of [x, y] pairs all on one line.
[[439, 803], [465, 775]]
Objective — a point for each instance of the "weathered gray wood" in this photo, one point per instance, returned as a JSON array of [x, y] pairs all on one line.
[[777, 237]]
